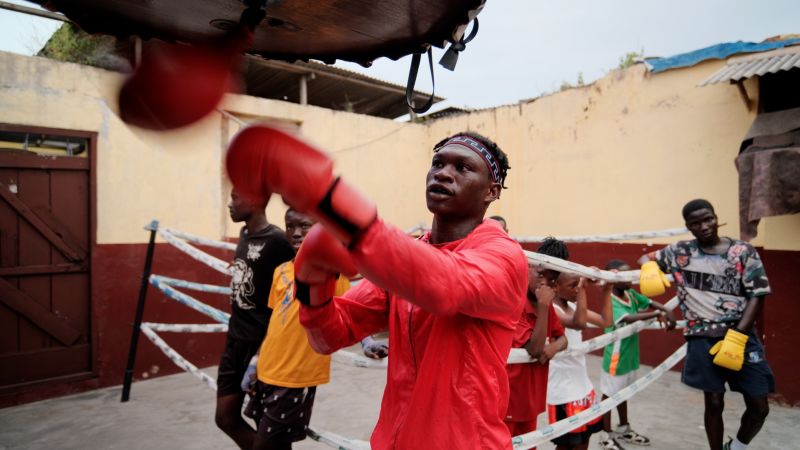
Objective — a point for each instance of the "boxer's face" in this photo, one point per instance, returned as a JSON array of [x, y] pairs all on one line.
[[458, 184]]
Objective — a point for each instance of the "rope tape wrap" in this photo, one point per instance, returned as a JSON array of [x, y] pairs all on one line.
[[200, 240], [549, 262], [187, 300], [552, 431], [175, 282], [176, 357], [187, 327], [353, 359], [212, 261], [336, 441], [609, 237]]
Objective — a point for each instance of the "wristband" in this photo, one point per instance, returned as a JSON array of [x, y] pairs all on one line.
[[302, 292]]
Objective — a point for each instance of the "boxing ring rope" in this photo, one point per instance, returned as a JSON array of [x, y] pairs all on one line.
[[549, 262], [554, 430], [608, 237], [517, 356]]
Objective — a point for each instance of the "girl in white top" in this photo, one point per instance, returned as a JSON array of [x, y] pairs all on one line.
[[569, 390]]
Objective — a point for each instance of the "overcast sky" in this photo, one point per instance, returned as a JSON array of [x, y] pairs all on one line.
[[528, 47]]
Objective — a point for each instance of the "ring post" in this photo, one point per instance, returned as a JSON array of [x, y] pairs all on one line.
[[137, 321]]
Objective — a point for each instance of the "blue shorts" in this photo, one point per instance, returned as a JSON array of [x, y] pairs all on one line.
[[699, 371]]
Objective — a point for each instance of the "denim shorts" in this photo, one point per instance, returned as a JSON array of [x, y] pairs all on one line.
[[755, 379]]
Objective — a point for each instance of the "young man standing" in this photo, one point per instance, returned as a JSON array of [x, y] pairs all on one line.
[[288, 369], [261, 248], [450, 300], [721, 283]]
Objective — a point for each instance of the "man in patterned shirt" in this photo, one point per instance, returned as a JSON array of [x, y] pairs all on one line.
[[721, 283]]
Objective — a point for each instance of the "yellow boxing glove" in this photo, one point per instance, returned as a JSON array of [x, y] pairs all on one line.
[[652, 281], [730, 351]]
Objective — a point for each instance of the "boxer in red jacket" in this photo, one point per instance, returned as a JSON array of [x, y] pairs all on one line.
[[450, 300]]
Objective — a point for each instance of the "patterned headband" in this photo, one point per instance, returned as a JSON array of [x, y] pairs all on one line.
[[481, 150]]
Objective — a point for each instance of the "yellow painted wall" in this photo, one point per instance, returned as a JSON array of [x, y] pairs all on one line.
[[385, 159], [178, 177], [623, 154]]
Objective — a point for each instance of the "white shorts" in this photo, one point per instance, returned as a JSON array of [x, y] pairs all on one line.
[[611, 384]]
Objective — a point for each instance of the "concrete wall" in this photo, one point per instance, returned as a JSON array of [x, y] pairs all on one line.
[[627, 151]]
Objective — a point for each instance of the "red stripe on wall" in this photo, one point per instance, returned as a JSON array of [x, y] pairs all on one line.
[[117, 269]]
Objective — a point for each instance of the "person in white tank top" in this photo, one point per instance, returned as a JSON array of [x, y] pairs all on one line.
[[569, 389]]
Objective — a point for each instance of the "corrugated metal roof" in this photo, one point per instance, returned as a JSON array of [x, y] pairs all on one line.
[[756, 65], [331, 87]]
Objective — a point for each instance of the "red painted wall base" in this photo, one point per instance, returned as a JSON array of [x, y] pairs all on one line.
[[116, 272]]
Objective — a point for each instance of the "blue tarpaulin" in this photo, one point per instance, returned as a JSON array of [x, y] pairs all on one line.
[[719, 51]]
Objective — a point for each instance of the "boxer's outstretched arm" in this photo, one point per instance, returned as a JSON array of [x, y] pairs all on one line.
[[487, 282]]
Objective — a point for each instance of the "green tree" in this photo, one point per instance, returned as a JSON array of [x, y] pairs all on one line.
[[70, 43]]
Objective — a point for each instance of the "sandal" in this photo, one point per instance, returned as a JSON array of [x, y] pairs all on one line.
[[626, 434]]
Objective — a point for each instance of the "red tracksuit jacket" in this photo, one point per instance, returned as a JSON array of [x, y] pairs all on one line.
[[451, 310]]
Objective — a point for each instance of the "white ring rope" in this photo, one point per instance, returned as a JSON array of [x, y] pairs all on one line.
[[176, 282], [350, 358], [176, 357], [609, 237], [552, 431], [187, 300], [336, 441], [521, 356], [187, 327], [212, 261], [200, 240], [517, 356], [550, 262]]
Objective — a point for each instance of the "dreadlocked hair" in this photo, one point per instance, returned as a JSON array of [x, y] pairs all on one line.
[[551, 246], [499, 155]]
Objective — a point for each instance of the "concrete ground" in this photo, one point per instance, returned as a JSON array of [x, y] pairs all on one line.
[[177, 412]]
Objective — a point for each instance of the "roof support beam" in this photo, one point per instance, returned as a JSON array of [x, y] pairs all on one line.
[[748, 103]]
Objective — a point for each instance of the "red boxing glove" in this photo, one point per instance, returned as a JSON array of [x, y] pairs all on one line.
[[317, 266], [175, 85], [262, 160]]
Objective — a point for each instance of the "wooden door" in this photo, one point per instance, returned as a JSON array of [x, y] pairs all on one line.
[[45, 243]]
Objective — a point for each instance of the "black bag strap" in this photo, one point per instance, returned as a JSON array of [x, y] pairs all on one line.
[[450, 57], [412, 81]]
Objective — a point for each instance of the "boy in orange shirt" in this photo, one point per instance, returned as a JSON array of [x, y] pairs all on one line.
[[288, 369]]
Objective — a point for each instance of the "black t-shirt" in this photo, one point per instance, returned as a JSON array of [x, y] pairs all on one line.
[[257, 256]]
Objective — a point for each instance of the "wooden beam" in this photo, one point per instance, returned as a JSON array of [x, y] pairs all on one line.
[[307, 69], [19, 271], [40, 316], [743, 93], [34, 11], [40, 225]]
